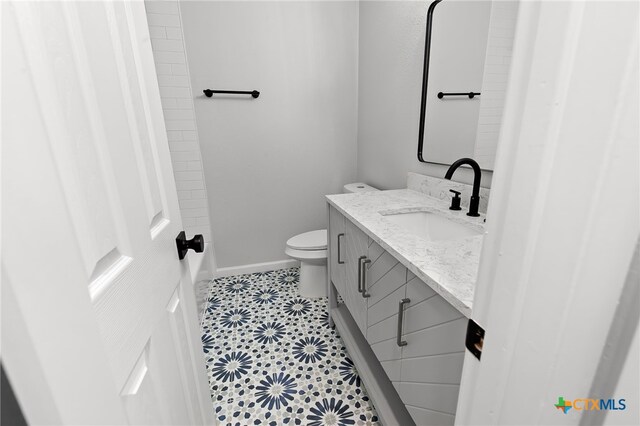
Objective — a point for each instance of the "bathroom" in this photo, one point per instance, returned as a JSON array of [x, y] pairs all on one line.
[[336, 263]]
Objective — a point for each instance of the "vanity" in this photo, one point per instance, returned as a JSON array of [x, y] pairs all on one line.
[[402, 270], [402, 264]]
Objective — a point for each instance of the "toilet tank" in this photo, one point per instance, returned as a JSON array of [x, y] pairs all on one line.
[[358, 187]]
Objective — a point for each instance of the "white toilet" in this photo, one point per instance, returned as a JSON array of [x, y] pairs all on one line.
[[310, 248]]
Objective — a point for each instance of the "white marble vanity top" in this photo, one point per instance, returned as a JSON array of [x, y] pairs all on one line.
[[450, 267]]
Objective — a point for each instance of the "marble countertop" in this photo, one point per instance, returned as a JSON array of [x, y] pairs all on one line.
[[449, 267]]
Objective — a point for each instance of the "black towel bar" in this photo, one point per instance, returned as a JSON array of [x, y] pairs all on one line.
[[254, 93], [469, 94]]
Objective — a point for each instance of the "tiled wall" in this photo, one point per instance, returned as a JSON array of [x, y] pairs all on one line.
[[165, 27], [502, 27]]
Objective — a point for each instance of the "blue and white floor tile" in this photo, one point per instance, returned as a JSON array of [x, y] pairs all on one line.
[[272, 358]]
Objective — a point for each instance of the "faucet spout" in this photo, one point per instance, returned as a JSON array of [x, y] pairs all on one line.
[[474, 203]]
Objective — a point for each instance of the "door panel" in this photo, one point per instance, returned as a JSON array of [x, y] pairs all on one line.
[[432, 359], [356, 244], [428, 313], [83, 105], [417, 290], [376, 270], [392, 368], [387, 350], [429, 417], [385, 308], [336, 228], [392, 279], [375, 251], [440, 339], [383, 330], [433, 369], [431, 396]]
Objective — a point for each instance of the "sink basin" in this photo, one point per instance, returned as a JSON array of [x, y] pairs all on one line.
[[431, 226]]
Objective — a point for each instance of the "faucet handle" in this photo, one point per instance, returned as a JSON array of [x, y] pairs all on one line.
[[455, 201]]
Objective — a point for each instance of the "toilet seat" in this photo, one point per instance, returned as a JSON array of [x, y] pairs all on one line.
[[306, 255], [309, 241]]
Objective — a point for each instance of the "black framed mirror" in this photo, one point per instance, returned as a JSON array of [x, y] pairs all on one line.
[[467, 57]]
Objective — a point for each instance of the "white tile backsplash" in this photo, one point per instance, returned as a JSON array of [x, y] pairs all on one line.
[[165, 28], [439, 188]]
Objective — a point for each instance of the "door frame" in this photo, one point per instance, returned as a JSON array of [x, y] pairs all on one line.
[[562, 224]]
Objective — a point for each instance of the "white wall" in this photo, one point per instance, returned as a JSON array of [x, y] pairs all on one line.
[[270, 161], [165, 28], [504, 17], [391, 51]]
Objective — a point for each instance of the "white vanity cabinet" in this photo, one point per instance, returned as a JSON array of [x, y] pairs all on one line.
[[387, 278], [423, 358]]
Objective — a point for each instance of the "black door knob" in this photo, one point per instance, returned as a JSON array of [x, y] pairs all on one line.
[[196, 244]]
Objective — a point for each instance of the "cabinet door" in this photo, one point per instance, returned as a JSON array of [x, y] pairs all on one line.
[[385, 283], [356, 246], [337, 249], [432, 359]]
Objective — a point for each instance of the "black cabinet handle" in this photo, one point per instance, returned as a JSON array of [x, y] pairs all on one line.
[[340, 261], [360, 259], [399, 340], [365, 261], [196, 244]]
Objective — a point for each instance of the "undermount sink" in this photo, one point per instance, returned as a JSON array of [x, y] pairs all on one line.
[[431, 226]]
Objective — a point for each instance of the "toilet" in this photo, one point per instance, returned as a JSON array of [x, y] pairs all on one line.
[[310, 248]]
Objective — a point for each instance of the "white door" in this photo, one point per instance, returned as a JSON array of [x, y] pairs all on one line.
[[99, 319]]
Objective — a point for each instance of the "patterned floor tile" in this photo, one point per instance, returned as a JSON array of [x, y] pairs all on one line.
[[272, 358]]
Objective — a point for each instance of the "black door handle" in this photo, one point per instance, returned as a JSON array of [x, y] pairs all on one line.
[[196, 244]]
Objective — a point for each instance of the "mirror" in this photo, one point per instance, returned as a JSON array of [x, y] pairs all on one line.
[[468, 48]]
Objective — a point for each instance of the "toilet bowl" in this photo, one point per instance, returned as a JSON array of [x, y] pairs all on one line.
[[310, 248]]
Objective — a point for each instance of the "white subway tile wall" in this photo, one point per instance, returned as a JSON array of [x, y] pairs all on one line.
[[504, 15], [165, 27]]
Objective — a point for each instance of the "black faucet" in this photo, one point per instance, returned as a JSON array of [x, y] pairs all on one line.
[[477, 174]]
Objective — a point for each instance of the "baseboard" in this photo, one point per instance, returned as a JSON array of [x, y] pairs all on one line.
[[256, 267]]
